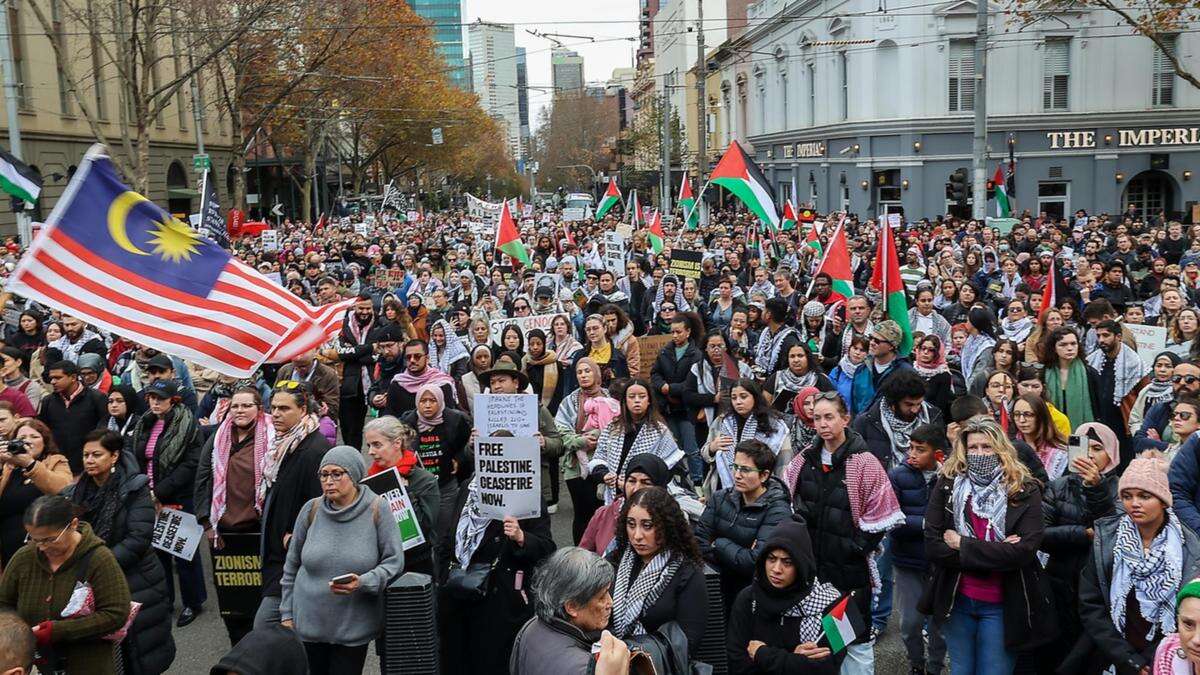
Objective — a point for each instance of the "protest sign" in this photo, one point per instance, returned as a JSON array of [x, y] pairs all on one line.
[[545, 280], [685, 263], [573, 213], [362, 229], [395, 278], [177, 533], [412, 216], [237, 575], [527, 211], [893, 220], [388, 485], [509, 475], [270, 240], [651, 345], [514, 413], [614, 253], [1151, 341], [344, 221], [1003, 225], [525, 323], [625, 230]]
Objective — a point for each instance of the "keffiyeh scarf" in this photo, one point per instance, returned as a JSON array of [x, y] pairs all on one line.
[[632, 599], [786, 380], [988, 501], [1128, 369], [471, 526], [724, 458], [652, 438], [1154, 575], [767, 353], [811, 609], [1017, 331], [1157, 392], [264, 434], [454, 351], [971, 350], [898, 431], [281, 448]]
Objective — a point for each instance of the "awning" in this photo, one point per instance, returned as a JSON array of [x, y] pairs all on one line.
[[182, 193]]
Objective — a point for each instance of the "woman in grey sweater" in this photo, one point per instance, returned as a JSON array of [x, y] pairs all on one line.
[[345, 550]]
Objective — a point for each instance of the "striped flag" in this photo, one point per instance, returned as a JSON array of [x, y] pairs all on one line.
[[739, 174], [1052, 292], [18, 179], [886, 279], [1002, 208], [112, 258], [843, 624]]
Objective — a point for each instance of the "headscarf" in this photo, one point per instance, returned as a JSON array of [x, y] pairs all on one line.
[[1158, 391], [474, 368], [798, 404], [429, 423], [134, 407], [442, 358], [1107, 439], [939, 364]]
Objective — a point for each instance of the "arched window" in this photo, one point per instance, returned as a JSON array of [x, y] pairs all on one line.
[[887, 75]]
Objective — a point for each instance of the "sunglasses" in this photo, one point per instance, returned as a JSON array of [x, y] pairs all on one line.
[[414, 357], [289, 385], [1181, 415], [1185, 379]]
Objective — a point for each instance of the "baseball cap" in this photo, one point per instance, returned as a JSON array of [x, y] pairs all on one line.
[[160, 361], [162, 389]]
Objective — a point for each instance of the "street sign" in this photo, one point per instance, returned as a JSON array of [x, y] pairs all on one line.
[[201, 162], [277, 210]]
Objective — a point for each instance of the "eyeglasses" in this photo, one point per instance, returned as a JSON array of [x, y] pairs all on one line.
[[741, 468], [1023, 415], [334, 476], [46, 542], [1185, 379]]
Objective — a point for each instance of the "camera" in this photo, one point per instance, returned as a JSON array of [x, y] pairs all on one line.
[[17, 446]]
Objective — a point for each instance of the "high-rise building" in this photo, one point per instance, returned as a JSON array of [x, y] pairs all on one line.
[[523, 98], [494, 77], [566, 70], [446, 16]]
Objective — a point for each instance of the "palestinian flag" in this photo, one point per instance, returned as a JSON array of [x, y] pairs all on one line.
[[1002, 208], [508, 240], [1053, 291], [886, 279], [836, 262], [612, 197], [18, 180], [739, 174], [788, 222], [687, 204], [843, 624], [656, 233], [812, 240]]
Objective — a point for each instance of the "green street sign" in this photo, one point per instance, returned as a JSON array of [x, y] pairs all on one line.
[[201, 162]]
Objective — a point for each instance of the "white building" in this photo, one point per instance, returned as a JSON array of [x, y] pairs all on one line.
[[872, 111], [494, 77]]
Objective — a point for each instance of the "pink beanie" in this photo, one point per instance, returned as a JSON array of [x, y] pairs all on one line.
[[1148, 474]]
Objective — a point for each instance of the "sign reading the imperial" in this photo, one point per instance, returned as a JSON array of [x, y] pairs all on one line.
[[813, 149], [1126, 138]]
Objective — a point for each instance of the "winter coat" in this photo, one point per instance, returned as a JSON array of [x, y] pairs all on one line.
[[864, 390], [272, 649], [1102, 644], [908, 541], [779, 634], [729, 530], [673, 372], [294, 485], [1184, 478], [174, 480], [939, 392], [28, 582], [843, 383], [869, 425], [48, 476], [1029, 619], [69, 425], [552, 648], [354, 357], [684, 600], [149, 649]]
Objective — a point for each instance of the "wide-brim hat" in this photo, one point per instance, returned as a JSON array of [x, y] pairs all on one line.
[[505, 368]]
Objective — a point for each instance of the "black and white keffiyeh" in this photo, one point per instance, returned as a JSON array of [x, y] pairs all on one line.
[[773, 438], [786, 380], [812, 608], [898, 431], [766, 355], [1154, 575], [471, 526], [1128, 369], [1018, 330], [652, 438], [989, 502], [444, 357], [630, 600]]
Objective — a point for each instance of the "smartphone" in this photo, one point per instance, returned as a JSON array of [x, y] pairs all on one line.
[[342, 579], [1077, 446]]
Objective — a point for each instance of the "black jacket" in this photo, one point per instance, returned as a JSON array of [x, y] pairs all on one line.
[[174, 482], [1029, 619], [684, 599], [294, 485], [939, 392], [673, 372], [869, 425], [729, 529], [908, 541], [69, 425], [455, 434], [1069, 508], [354, 357]]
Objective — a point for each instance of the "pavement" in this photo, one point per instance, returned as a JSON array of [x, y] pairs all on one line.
[[201, 644]]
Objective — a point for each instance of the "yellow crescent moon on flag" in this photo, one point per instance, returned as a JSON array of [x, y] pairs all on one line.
[[117, 215]]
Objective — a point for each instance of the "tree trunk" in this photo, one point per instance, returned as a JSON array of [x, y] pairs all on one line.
[[141, 167], [238, 150], [306, 195]]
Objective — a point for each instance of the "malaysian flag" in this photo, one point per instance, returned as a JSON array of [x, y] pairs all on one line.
[[111, 257]]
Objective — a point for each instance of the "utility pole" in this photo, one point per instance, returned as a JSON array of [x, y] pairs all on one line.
[[664, 184], [24, 228], [979, 146], [701, 97]]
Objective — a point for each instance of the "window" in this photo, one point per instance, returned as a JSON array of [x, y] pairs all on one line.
[[727, 110], [1054, 198], [761, 101], [843, 77], [783, 97], [1056, 76], [64, 91], [21, 66], [812, 94], [1163, 80], [962, 75]]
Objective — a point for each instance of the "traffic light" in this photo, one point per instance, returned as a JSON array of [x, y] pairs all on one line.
[[991, 189], [958, 191]]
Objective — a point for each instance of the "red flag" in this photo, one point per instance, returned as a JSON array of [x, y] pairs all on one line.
[[1051, 292], [321, 223]]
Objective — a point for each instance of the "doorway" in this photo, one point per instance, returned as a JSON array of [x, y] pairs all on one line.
[[1150, 192]]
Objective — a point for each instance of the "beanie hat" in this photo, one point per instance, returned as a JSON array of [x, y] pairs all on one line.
[[888, 331], [1189, 590], [347, 458], [814, 308], [1148, 474]]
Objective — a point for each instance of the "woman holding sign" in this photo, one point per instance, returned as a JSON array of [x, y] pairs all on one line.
[[392, 444]]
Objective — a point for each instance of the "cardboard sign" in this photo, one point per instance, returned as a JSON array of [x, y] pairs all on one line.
[[509, 475], [177, 533], [685, 263], [389, 485], [237, 575], [625, 230], [270, 240], [1151, 341], [525, 323], [514, 413], [651, 345]]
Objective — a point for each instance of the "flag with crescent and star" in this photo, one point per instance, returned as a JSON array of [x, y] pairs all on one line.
[[113, 258]]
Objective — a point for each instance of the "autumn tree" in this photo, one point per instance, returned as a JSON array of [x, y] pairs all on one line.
[[577, 129]]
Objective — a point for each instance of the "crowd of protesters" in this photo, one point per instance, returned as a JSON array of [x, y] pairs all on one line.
[[1012, 470]]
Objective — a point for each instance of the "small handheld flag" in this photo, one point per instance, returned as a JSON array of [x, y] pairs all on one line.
[[687, 204], [612, 197], [843, 624], [788, 221], [656, 233]]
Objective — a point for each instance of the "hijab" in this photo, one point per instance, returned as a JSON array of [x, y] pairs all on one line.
[[798, 404], [429, 423], [1100, 432]]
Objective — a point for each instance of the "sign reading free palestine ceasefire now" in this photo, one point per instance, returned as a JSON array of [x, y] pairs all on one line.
[[508, 463]]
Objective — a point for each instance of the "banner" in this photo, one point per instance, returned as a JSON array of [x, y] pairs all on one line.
[[390, 486], [574, 213], [685, 263], [237, 575], [514, 413], [177, 532], [525, 323], [509, 472], [479, 209]]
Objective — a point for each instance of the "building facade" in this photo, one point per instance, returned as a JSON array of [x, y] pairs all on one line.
[[494, 78], [871, 112], [566, 70], [446, 17], [523, 99]]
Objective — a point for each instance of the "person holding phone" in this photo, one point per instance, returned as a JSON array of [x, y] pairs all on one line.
[[345, 550]]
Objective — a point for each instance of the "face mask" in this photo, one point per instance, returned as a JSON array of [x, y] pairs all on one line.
[[981, 469]]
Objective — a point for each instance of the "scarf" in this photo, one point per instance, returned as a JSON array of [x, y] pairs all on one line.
[[972, 349], [898, 431], [632, 599], [724, 458], [549, 365], [850, 331], [360, 335], [264, 433], [1017, 331], [413, 383], [100, 503], [471, 526], [767, 353], [1053, 458], [566, 349], [786, 380], [282, 447], [429, 423], [848, 367], [1157, 391], [453, 352], [681, 303], [1128, 369], [1008, 287], [811, 609], [1075, 401], [1153, 575], [988, 499], [651, 438]]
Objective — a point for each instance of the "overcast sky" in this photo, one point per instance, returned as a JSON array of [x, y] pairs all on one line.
[[608, 21]]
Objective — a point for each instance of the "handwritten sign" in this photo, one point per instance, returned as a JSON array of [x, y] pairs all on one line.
[[362, 229], [525, 323], [270, 240], [388, 485], [573, 213], [685, 263], [651, 345], [1151, 341], [515, 413], [177, 533], [614, 253], [509, 475], [237, 575]]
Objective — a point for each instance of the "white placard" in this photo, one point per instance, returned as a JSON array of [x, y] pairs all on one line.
[[177, 533], [893, 220], [1151, 341], [527, 210], [514, 413], [574, 213], [362, 229], [344, 221], [614, 253], [270, 240], [509, 475], [525, 323]]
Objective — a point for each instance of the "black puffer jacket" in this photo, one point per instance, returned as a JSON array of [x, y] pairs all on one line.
[[729, 528], [673, 372], [174, 481], [149, 649], [823, 502]]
